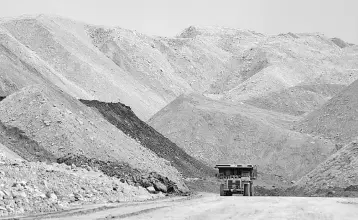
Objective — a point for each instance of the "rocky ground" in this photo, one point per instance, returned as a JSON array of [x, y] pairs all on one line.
[[33, 187]]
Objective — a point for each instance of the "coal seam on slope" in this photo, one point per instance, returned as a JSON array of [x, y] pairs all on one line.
[[124, 119]]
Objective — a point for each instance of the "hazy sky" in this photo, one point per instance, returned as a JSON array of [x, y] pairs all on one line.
[[334, 18]]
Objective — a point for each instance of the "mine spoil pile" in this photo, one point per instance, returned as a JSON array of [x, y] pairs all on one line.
[[32, 187], [125, 173], [94, 114], [42, 124]]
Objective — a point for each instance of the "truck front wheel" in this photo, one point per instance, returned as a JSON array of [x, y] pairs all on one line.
[[222, 193], [251, 189], [246, 189]]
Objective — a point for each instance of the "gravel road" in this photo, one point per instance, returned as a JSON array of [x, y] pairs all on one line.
[[212, 206]]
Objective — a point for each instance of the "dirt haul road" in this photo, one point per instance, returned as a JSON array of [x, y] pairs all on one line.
[[212, 206]]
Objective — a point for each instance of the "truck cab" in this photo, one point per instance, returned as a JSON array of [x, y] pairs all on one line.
[[236, 179]]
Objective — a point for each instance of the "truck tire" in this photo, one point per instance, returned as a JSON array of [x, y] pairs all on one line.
[[246, 189], [251, 189], [222, 192]]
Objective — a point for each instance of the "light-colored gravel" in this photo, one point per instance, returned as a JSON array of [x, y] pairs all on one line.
[[35, 187]]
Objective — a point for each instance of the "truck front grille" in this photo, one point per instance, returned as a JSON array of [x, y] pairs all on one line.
[[234, 184], [229, 184]]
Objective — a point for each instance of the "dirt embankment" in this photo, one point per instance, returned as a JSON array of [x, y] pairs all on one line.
[[125, 173], [36, 187], [124, 119], [40, 123]]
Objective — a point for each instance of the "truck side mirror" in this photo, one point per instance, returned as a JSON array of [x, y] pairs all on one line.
[[254, 172]]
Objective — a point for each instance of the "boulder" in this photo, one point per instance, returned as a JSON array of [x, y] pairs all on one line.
[[151, 189], [160, 187]]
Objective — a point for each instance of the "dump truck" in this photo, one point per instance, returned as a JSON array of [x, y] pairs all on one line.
[[236, 179]]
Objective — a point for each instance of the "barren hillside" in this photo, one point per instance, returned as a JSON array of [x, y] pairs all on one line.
[[214, 131], [297, 100], [43, 123], [339, 171], [58, 50], [125, 120], [297, 60], [112, 64], [337, 119]]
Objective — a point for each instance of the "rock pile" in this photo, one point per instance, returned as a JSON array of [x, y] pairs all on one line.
[[125, 173], [33, 187]]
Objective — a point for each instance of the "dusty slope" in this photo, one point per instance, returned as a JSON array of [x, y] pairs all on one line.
[[146, 73], [20, 67], [42, 123], [124, 119], [107, 64], [338, 171], [63, 48], [214, 132], [297, 100], [262, 67], [337, 119], [293, 61], [186, 63]]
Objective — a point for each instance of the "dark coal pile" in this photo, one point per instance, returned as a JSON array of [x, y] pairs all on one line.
[[124, 119]]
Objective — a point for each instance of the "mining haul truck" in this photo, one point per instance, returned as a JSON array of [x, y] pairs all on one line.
[[236, 179]]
